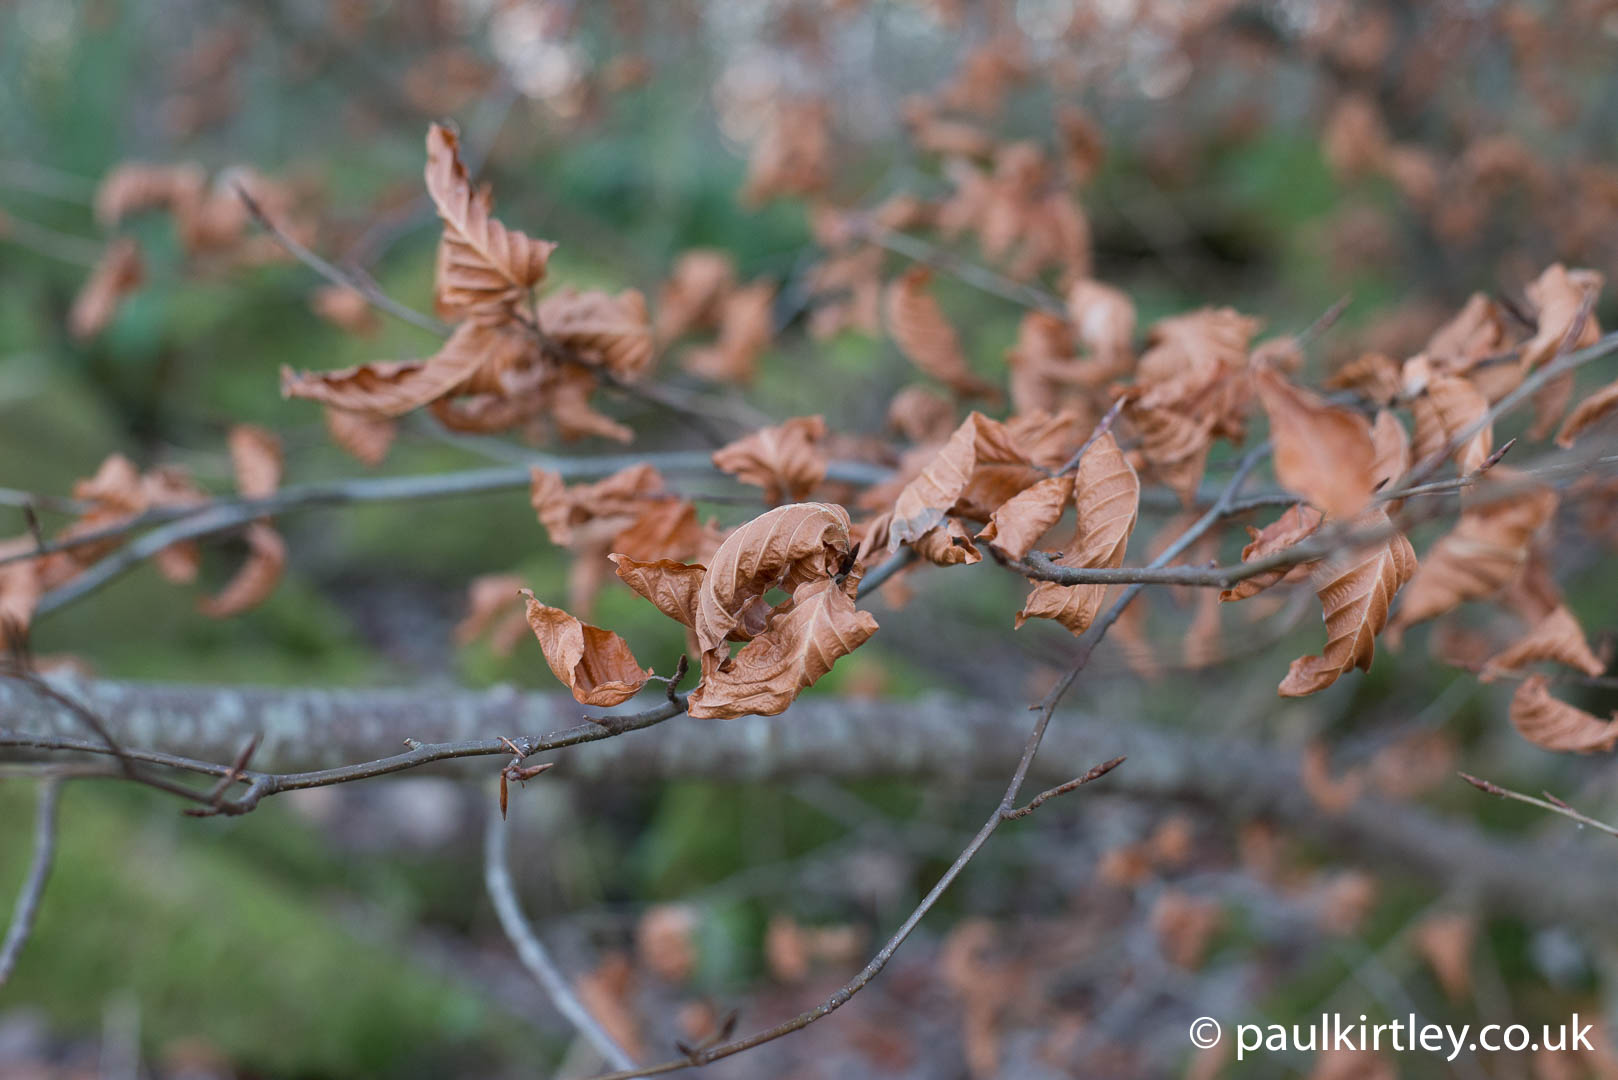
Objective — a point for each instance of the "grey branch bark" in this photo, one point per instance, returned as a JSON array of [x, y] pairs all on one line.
[[933, 738]]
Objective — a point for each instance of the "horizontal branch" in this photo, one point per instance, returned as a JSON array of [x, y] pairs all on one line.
[[938, 739]]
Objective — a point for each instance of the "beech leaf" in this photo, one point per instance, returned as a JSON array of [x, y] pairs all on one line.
[[1020, 521], [1294, 526], [1552, 724], [671, 586], [785, 460], [1356, 591], [1322, 452], [595, 664], [926, 337], [924, 501], [1556, 637]]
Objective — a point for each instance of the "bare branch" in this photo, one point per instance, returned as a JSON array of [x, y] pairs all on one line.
[[1549, 802], [22, 916], [1045, 796], [532, 952]]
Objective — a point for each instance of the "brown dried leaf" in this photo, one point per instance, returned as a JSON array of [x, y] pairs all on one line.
[[1185, 926], [665, 940], [602, 328], [1295, 525], [595, 664], [925, 336], [785, 460], [693, 297], [20, 590], [1356, 590], [1376, 375], [1106, 495], [947, 545], [1556, 725], [616, 502], [485, 267], [473, 358], [781, 548], [1486, 549], [255, 456], [489, 604], [924, 501], [1331, 794], [1557, 637], [1021, 520], [347, 309], [257, 578], [746, 328], [1558, 296], [921, 415], [133, 187], [1322, 452], [1448, 406], [117, 273], [671, 586], [799, 645], [1392, 445], [368, 438], [1589, 412]]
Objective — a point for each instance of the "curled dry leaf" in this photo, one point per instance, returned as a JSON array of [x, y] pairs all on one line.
[[20, 590], [1106, 496], [1447, 407], [133, 187], [257, 578], [485, 269], [746, 328], [925, 336], [923, 502], [1589, 412], [1332, 794], [693, 297], [595, 664], [1021, 520], [800, 644], [608, 330], [619, 500], [1557, 637], [1559, 297], [1392, 445], [1356, 591], [785, 460], [1322, 452], [1477, 331], [671, 586], [117, 273], [1185, 926], [1375, 375], [255, 456], [347, 309], [491, 609], [1486, 549], [947, 545], [921, 415], [782, 548], [1294, 526], [1555, 725], [368, 438]]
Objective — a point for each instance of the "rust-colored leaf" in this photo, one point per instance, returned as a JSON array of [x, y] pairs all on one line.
[[491, 609], [926, 337], [1557, 637], [1445, 407], [1356, 591], [257, 578], [1322, 452], [1555, 725], [921, 415], [368, 438], [1486, 549], [474, 354], [255, 456], [117, 273], [1558, 297], [1021, 520], [781, 548], [20, 590], [924, 501], [485, 268], [595, 664], [617, 501], [602, 328], [1392, 445], [347, 309], [746, 328], [1106, 495], [671, 586], [799, 646], [785, 460], [1444, 940], [1587, 413], [948, 544], [1294, 526], [693, 297], [1332, 794]]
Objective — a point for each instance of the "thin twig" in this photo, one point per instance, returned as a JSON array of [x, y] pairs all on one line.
[[979, 277], [22, 916], [1550, 802], [532, 952], [1062, 789]]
